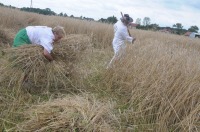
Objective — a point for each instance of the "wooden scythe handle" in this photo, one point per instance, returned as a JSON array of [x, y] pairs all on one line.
[[127, 26]]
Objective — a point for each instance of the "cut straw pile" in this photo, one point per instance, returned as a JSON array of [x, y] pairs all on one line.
[[73, 44], [72, 113], [28, 60], [6, 37]]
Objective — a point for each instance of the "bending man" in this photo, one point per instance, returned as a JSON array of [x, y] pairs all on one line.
[[40, 35]]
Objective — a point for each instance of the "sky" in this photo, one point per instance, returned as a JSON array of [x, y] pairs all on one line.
[[162, 12]]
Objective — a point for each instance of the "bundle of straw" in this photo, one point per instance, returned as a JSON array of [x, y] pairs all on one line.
[[72, 113], [71, 46], [6, 37], [28, 60]]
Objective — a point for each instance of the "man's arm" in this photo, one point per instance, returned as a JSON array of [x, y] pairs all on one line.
[[47, 55], [126, 36]]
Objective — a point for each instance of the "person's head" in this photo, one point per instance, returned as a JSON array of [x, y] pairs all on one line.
[[126, 19], [58, 32]]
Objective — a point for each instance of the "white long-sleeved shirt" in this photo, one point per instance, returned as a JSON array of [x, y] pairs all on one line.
[[41, 35], [120, 36]]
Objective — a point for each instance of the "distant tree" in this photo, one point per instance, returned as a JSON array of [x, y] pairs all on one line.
[[193, 29], [46, 11], [153, 26], [61, 14], [88, 19], [138, 21], [179, 28], [146, 21], [141, 27], [72, 16], [65, 15], [102, 20], [1, 4], [112, 19]]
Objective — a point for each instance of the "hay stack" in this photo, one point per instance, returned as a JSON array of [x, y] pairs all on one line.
[[71, 46], [18, 61], [72, 113], [29, 60], [6, 37]]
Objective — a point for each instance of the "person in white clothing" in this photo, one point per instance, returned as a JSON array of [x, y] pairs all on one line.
[[121, 35], [40, 35]]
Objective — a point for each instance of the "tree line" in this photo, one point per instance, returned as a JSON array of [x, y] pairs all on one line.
[[176, 28], [144, 24]]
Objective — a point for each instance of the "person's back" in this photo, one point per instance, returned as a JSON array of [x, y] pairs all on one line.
[[41, 35], [37, 34]]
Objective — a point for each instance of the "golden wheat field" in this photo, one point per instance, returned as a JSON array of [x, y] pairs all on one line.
[[154, 88]]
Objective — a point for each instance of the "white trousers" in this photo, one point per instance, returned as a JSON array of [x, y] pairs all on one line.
[[119, 50]]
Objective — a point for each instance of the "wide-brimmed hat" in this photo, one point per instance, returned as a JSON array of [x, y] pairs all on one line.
[[127, 18]]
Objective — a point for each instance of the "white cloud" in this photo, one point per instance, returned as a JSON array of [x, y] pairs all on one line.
[[162, 12]]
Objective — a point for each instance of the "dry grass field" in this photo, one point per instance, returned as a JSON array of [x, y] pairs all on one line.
[[155, 87]]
